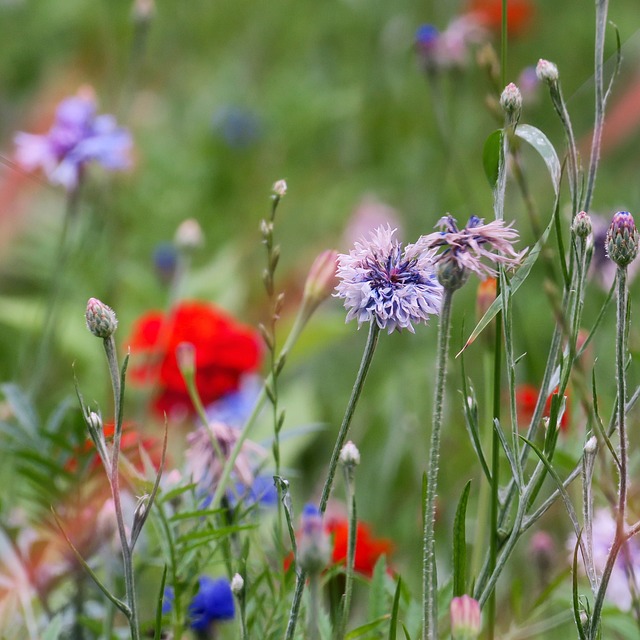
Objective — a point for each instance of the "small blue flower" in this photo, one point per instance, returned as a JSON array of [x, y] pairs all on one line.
[[77, 136], [168, 600], [213, 603], [380, 282], [238, 127]]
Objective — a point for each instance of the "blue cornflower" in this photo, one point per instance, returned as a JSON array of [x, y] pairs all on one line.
[[76, 137], [212, 603], [380, 282], [464, 248]]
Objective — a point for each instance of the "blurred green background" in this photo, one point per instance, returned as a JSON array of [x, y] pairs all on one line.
[[223, 98]]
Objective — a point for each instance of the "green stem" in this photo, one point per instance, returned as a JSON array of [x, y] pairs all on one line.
[[495, 470], [429, 574], [351, 548], [621, 349], [314, 606], [114, 480], [294, 334], [365, 363]]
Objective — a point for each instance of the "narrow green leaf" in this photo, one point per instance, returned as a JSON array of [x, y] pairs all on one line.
[[598, 420], [157, 634], [460, 543], [54, 629], [377, 593], [492, 156], [543, 146], [394, 611], [515, 283], [406, 633], [576, 598], [288, 511], [366, 628]]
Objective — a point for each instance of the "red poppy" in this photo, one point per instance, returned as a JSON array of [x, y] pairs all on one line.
[[489, 14], [368, 548], [526, 398], [224, 352]]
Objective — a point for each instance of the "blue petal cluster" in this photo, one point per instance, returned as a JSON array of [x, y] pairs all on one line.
[[76, 137], [212, 603], [381, 282]]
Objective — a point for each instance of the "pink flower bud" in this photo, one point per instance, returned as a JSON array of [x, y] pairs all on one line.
[[322, 278], [101, 319], [466, 620]]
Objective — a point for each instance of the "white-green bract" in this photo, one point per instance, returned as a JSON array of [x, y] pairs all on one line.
[[381, 282]]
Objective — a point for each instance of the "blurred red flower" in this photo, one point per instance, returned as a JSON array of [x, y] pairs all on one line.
[[489, 14], [526, 398], [224, 351], [368, 548], [132, 443]]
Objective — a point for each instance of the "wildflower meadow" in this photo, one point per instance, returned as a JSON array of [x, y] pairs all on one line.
[[318, 321]]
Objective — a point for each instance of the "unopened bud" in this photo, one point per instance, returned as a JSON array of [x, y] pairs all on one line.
[[139, 518], [143, 10], [511, 101], [280, 188], [621, 243], [186, 358], [591, 446], [451, 275], [322, 278], [350, 456], [237, 585], [189, 236], [101, 319], [95, 422], [547, 71], [314, 549], [581, 225], [466, 620]]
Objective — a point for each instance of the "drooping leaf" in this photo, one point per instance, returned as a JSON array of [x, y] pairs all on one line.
[[543, 146]]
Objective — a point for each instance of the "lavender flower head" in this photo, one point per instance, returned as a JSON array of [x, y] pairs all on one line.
[[627, 562], [380, 282], [465, 248], [76, 137]]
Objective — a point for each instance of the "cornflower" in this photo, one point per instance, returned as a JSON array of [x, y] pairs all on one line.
[[76, 137], [465, 248], [380, 282]]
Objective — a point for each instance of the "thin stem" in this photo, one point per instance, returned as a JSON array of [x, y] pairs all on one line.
[[114, 481], [429, 574], [621, 339], [365, 363], [294, 334], [351, 548], [601, 24], [314, 606]]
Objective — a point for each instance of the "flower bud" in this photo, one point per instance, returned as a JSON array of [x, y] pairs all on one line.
[[466, 620], [101, 319], [621, 243], [143, 10], [189, 236], [280, 188], [581, 225], [322, 279], [591, 445], [451, 275], [237, 585], [314, 549], [95, 421], [511, 101], [186, 358], [350, 456], [547, 71]]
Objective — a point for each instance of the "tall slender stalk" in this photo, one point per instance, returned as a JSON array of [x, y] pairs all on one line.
[[429, 573], [365, 363]]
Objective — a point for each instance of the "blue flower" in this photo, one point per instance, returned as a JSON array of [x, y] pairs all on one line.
[[213, 603], [380, 282], [76, 137]]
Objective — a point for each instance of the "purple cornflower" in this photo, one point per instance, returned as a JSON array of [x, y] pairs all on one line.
[[465, 248], [212, 603], [626, 569], [76, 137], [380, 282]]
